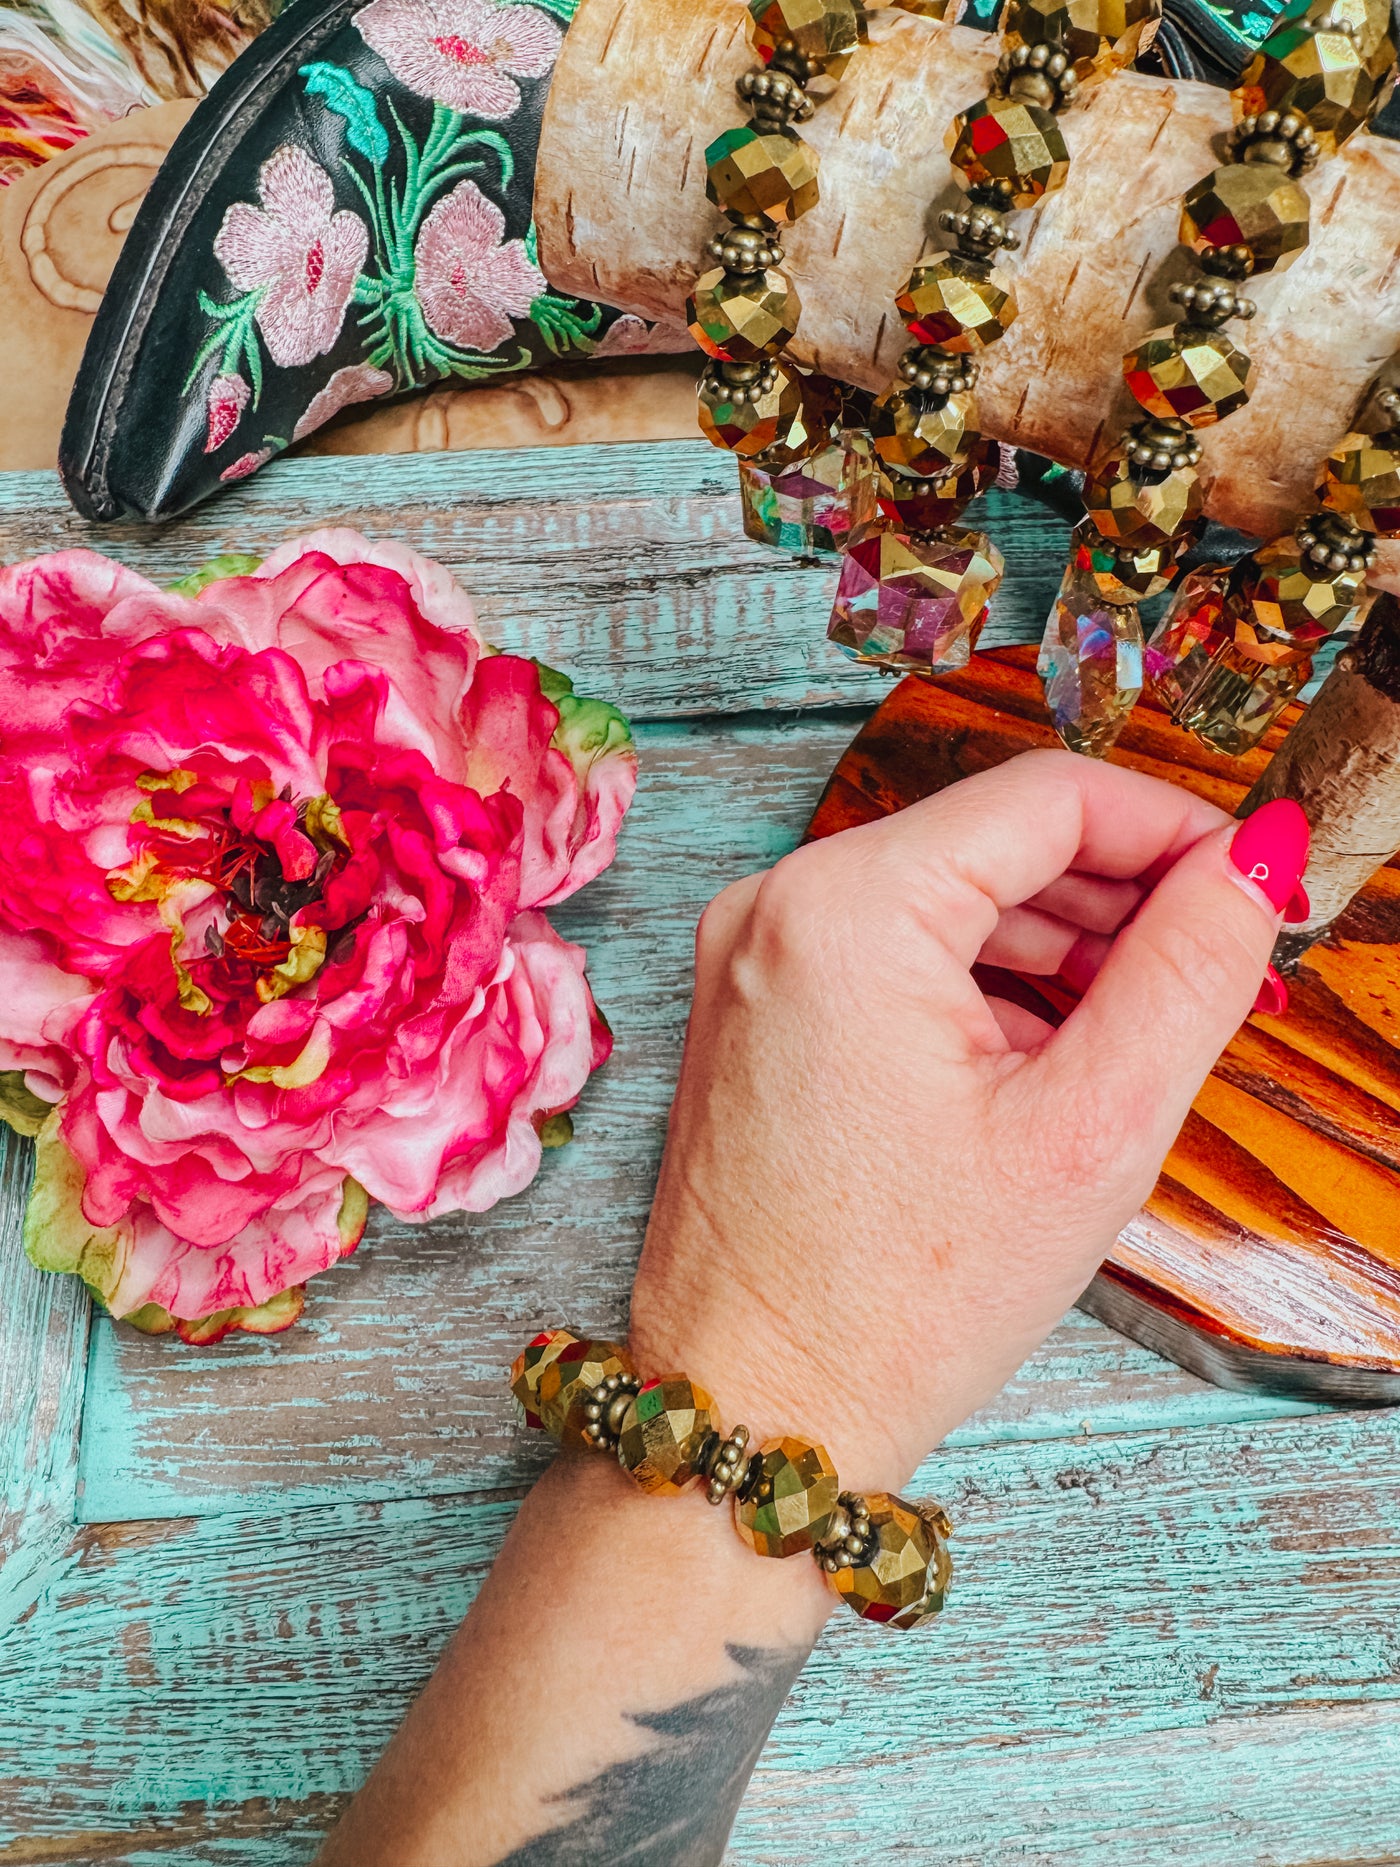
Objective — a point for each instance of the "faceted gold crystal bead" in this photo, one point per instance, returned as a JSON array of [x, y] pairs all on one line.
[[914, 602], [1001, 140], [771, 173], [1197, 623], [568, 1381], [1189, 373], [1123, 574], [741, 316], [530, 1364], [1238, 699], [1288, 603], [1327, 78], [905, 1576], [781, 414], [1139, 507], [1361, 478], [826, 32], [812, 506], [1249, 204], [929, 505], [1098, 36], [921, 435], [1370, 20], [787, 1502], [957, 304], [1091, 663], [668, 1424]]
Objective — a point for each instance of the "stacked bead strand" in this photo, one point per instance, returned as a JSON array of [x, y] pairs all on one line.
[[1314, 82]]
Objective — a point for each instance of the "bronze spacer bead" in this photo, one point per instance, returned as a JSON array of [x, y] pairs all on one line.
[[978, 232], [938, 372], [744, 249], [775, 97], [1227, 262], [1211, 304], [1332, 540], [725, 1465], [1278, 136]]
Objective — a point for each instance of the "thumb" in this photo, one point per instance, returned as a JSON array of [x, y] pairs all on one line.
[[1181, 978]]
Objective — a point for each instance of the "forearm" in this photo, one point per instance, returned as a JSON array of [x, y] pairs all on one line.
[[606, 1698]]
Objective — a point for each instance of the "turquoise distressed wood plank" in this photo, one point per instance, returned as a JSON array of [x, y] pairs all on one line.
[[1176, 1646], [625, 565]]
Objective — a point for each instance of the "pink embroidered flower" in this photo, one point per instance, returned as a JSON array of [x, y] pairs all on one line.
[[299, 251], [459, 52], [246, 464], [357, 382], [631, 336], [227, 399], [469, 281], [271, 934]]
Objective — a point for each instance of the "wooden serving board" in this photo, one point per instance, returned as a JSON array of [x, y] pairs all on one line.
[[1269, 1254]]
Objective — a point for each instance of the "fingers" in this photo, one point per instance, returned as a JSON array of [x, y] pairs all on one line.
[[1089, 901], [1025, 940]]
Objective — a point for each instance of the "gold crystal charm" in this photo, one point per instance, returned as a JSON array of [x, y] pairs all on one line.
[[765, 409], [1099, 37], [767, 172], [567, 1383], [825, 32], [1328, 78], [1138, 507], [1361, 478], [922, 435], [1289, 603], [668, 1425], [1190, 374], [530, 1364], [787, 1498], [929, 505], [741, 316], [903, 1575], [1124, 573], [1091, 663], [956, 303], [1248, 204], [812, 506], [1238, 699], [1002, 140], [1196, 625], [914, 603]]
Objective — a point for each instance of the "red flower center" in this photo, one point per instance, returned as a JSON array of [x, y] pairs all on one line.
[[461, 51], [315, 265], [459, 278]]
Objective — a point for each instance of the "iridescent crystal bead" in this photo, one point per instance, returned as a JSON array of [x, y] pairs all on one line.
[[914, 603], [771, 173], [1098, 36], [1289, 603], [1091, 663], [1002, 140], [1138, 506], [1188, 373], [812, 506], [774, 412], [1197, 623], [741, 316], [1361, 478], [530, 1364], [1237, 699], [567, 1384], [788, 1496], [670, 1423], [1329, 79], [1121, 573], [930, 505], [904, 1575], [1248, 204], [1370, 20], [959, 304], [825, 32], [919, 434]]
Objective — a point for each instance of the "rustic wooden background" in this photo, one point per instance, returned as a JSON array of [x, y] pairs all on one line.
[[1174, 1634]]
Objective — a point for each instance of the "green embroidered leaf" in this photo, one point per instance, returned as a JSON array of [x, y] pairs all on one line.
[[561, 9], [25, 1112], [349, 99], [561, 324], [532, 244], [230, 564]]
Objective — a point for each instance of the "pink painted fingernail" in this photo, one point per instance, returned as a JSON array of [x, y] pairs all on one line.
[[1270, 849], [1273, 995], [1299, 907]]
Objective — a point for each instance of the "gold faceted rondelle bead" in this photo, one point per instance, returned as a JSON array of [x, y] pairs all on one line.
[[1190, 374], [785, 417], [918, 435], [1288, 603], [1129, 576], [905, 1578], [568, 1381], [789, 1498], [1249, 204], [1002, 140], [825, 31], [768, 172], [668, 1424], [528, 1367], [1099, 37], [956, 304], [738, 317], [1361, 477], [1327, 78], [1142, 510], [1369, 19]]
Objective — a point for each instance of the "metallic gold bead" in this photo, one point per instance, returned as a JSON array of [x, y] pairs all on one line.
[[669, 1425], [1197, 623], [1142, 508], [742, 316], [924, 9], [567, 1383], [956, 304], [788, 1498], [1288, 604], [1123, 573], [779, 414], [921, 435], [1249, 204], [1370, 20], [530, 1364], [825, 32], [1328, 78], [1002, 141], [1091, 663], [810, 506], [1361, 479], [770, 173], [1099, 36], [1190, 374], [929, 505], [891, 1576], [914, 602], [1237, 699]]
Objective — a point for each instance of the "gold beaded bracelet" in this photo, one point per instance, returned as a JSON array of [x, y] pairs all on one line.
[[885, 1556]]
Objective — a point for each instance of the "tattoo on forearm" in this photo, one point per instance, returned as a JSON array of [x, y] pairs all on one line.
[[673, 1805]]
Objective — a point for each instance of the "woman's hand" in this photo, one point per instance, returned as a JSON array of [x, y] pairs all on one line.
[[882, 1188]]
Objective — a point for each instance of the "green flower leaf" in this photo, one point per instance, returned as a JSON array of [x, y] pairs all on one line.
[[230, 564], [57, 1237], [349, 99], [588, 729], [25, 1112]]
